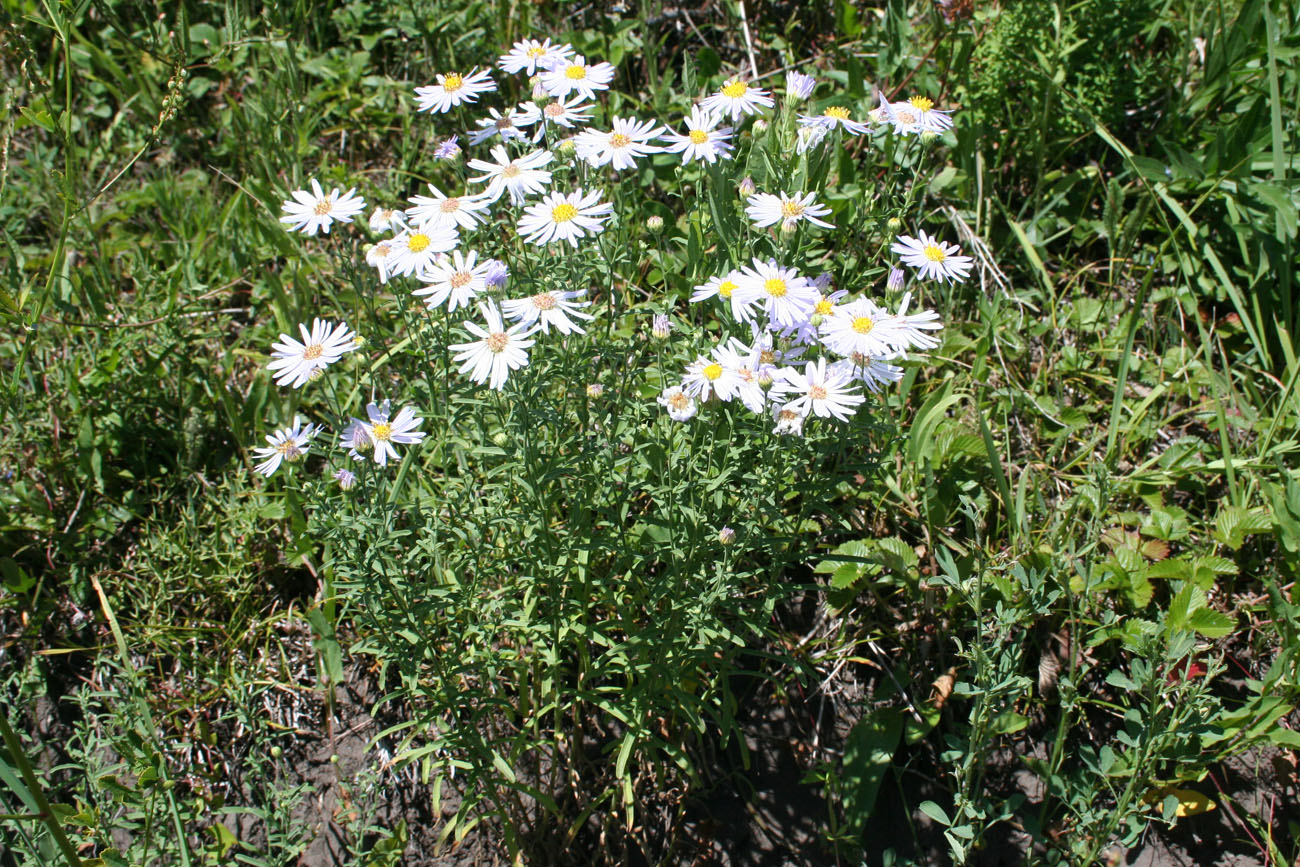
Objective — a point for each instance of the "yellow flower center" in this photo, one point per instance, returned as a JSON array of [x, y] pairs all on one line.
[[313, 352], [767, 356], [497, 341], [735, 90], [712, 371], [921, 103], [382, 250], [698, 136], [679, 400], [418, 243], [726, 287], [381, 431], [816, 392], [289, 449], [618, 140], [543, 301], [863, 324], [460, 278], [791, 208], [934, 253], [450, 206], [576, 72], [775, 287], [563, 213], [451, 81], [536, 51], [323, 207], [824, 307], [510, 171], [553, 109], [837, 112]]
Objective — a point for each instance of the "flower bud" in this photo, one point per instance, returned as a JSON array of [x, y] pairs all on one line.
[[540, 96], [894, 224], [760, 125], [595, 390], [499, 439], [655, 223], [928, 137], [567, 147], [726, 536], [747, 187], [798, 86], [896, 277], [816, 319], [789, 227], [346, 479], [660, 326]]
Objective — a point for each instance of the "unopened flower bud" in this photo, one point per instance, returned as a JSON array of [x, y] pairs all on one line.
[[655, 223], [496, 273], [540, 96], [928, 137], [567, 147], [789, 227], [595, 390], [765, 379], [896, 277], [316, 373], [499, 439], [816, 319], [747, 187], [660, 326], [760, 125], [798, 86], [346, 479], [726, 536], [894, 224]]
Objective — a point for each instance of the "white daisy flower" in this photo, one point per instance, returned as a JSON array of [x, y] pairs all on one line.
[[453, 89], [314, 212], [742, 361], [707, 376], [788, 421], [355, 439], [703, 140], [296, 363], [529, 55], [787, 209], [382, 431], [821, 391], [447, 150], [550, 307], [621, 146], [917, 114], [861, 328], [377, 257], [415, 250], [286, 444], [833, 117], [497, 124], [735, 98], [561, 217], [383, 219], [558, 112], [573, 75], [521, 177], [497, 274], [442, 210], [725, 286], [933, 259], [871, 372], [456, 281], [809, 137], [798, 86], [680, 405], [786, 296], [497, 351]]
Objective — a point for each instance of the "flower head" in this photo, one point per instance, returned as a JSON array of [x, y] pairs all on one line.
[[315, 212], [916, 115], [381, 431], [933, 259], [504, 124], [574, 75], [798, 86], [564, 217], [498, 350], [703, 140], [787, 209], [447, 150], [834, 117], [558, 112], [736, 98], [680, 405], [522, 177], [453, 89], [383, 219], [296, 363], [786, 296], [286, 444], [346, 478], [438, 209], [820, 390], [550, 307], [529, 55], [415, 250], [456, 281], [621, 146]]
